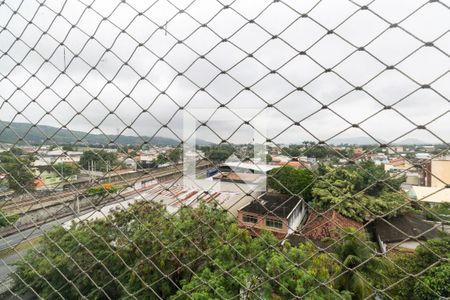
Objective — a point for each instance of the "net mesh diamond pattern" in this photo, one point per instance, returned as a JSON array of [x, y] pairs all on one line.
[[105, 105]]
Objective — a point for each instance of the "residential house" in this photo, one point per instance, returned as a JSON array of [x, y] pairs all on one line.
[[395, 149], [436, 172], [379, 158], [301, 162], [358, 152], [404, 232], [44, 167], [321, 227], [280, 214], [398, 165], [423, 156], [432, 195]]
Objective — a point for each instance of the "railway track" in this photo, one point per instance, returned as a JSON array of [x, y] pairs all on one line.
[[15, 205]]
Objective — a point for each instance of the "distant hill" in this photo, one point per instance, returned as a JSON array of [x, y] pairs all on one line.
[[411, 141], [369, 141], [362, 140], [37, 135]]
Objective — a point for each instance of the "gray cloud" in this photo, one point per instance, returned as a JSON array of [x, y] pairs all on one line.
[[127, 90]]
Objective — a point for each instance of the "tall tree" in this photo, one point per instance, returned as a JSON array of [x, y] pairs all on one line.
[[374, 180], [101, 160], [360, 268], [340, 189], [336, 190], [66, 169], [291, 181], [18, 166]]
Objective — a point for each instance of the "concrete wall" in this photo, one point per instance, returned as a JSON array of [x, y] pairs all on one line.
[[440, 170], [66, 207]]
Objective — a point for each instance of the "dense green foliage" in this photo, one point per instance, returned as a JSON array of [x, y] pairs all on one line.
[[430, 263], [102, 190], [218, 153], [438, 212], [66, 170], [373, 180], [361, 269], [7, 219], [150, 254], [146, 253], [349, 190], [291, 181], [173, 156], [311, 149], [18, 167], [103, 160]]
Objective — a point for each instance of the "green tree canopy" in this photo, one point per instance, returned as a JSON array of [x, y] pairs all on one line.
[[172, 156], [219, 153], [361, 269], [103, 160], [438, 212], [18, 166], [374, 180], [7, 219], [66, 169], [68, 147], [199, 253], [292, 151], [291, 181], [340, 189], [427, 272]]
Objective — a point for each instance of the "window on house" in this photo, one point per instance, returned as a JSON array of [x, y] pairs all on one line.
[[274, 223], [249, 219]]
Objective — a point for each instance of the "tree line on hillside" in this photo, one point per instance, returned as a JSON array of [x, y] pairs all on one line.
[[36, 134], [201, 253]]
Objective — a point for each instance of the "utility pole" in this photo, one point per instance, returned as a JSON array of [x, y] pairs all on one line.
[[107, 172], [91, 170]]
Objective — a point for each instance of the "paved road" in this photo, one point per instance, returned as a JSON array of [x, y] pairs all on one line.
[[23, 235]]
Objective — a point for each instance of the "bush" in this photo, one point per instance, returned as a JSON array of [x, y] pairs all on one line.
[[101, 190], [7, 220]]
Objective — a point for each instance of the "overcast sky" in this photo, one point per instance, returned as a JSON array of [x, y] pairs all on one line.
[[128, 79]]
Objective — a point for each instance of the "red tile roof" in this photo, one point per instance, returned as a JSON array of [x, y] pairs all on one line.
[[327, 225]]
